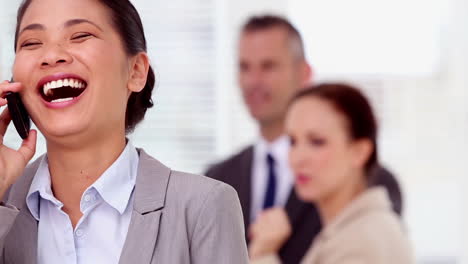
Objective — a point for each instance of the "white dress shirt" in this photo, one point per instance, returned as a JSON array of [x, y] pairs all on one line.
[[106, 205], [279, 150]]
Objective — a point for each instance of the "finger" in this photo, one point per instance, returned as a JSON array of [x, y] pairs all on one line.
[[9, 87], [5, 120], [265, 214], [274, 212], [28, 147]]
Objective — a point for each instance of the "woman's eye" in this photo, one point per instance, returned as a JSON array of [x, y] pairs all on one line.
[[317, 142], [81, 36], [30, 44]]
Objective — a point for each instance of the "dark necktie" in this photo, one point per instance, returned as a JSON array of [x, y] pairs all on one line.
[[271, 184]]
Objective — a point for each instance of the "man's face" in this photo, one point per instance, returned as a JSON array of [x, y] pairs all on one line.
[[269, 73]]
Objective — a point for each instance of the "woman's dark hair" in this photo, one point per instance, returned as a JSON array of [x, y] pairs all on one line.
[[357, 110], [128, 24]]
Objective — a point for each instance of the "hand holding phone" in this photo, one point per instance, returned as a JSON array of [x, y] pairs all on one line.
[[13, 162]]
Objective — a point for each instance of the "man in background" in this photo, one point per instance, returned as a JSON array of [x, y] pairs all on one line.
[[272, 68]]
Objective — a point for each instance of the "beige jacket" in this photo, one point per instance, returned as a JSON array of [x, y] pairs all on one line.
[[366, 232]]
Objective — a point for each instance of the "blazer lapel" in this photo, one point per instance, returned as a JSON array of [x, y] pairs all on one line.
[[245, 185], [21, 246], [150, 195], [295, 207]]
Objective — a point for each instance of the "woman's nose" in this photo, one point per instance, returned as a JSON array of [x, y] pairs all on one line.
[[55, 56]]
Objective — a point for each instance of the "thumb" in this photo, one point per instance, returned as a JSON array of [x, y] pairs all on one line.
[[28, 147]]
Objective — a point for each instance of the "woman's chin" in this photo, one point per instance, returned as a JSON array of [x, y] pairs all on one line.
[[61, 131], [307, 193]]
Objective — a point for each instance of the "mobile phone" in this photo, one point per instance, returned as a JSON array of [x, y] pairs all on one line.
[[19, 114]]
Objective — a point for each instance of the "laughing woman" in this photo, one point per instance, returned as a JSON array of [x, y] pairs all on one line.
[[82, 71]]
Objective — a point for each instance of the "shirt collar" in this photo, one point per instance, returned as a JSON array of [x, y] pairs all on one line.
[[115, 185], [40, 187], [279, 149]]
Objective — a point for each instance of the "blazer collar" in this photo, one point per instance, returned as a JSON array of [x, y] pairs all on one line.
[[151, 184], [149, 198], [19, 191], [150, 187], [24, 229], [150, 195]]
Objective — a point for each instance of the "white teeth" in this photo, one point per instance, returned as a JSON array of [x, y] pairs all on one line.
[[61, 83], [62, 100], [46, 88]]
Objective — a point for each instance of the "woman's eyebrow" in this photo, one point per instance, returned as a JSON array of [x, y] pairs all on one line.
[[77, 21], [32, 27], [69, 23]]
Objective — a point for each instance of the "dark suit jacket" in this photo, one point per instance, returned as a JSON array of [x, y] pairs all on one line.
[[236, 171]]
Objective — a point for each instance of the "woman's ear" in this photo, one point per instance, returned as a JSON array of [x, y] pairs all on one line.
[[306, 74], [362, 151], [139, 67]]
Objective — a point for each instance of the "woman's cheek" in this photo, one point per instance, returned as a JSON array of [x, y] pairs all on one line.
[[322, 156], [23, 68]]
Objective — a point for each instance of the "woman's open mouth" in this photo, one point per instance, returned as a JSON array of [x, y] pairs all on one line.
[[62, 90]]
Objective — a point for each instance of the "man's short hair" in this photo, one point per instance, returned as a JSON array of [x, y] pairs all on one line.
[[265, 22]]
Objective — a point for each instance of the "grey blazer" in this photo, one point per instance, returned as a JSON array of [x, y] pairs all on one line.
[[177, 218]]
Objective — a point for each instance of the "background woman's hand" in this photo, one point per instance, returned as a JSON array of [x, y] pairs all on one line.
[[12, 162], [269, 232]]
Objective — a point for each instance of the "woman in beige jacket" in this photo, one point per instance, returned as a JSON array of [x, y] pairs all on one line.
[[333, 151]]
